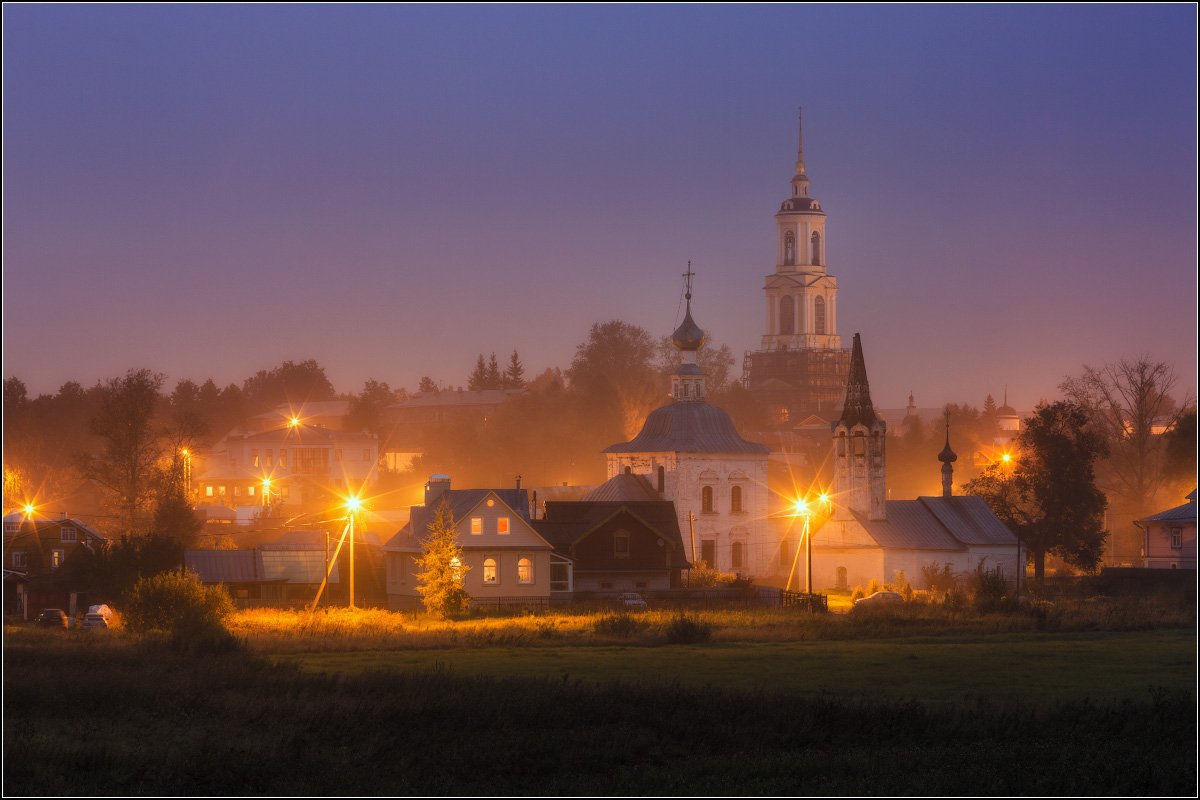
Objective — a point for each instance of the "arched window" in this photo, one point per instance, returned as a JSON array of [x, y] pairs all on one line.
[[489, 571], [629, 470], [735, 499], [524, 570], [662, 479], [706, 500], [789, 249], [738, 555], [787, 315], [819, 315], [816, 248]]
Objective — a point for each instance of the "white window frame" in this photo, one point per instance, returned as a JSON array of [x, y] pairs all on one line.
[[476, 526], [68, 533], [527, 560], [495, 581], [20, 559]]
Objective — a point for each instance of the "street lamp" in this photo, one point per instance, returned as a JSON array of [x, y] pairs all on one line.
[[353, 504], [266, 493], [803, 508]]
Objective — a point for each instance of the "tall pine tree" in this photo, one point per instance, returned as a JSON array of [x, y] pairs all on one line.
[[441, 568], [514, 373]]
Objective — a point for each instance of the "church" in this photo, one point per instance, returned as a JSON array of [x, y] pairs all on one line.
[[691, 453], [869, 537], [800, 369]]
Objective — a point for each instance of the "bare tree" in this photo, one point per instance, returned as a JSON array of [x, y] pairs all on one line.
[[1127, 401]]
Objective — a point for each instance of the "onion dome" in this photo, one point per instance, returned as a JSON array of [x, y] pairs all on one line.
[[688, 336], [947, 456]]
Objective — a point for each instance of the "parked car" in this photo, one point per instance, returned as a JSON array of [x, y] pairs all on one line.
[[633, 600], [880, 599], [53, 618], [94, 621]]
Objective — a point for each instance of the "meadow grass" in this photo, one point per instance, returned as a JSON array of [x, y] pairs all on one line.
[[115, 715]]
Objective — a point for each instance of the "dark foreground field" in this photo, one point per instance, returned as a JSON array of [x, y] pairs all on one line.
[[91, 716]]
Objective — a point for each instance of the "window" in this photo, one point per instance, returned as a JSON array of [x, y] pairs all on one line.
[[283, 458], [524, 570], [738, 555], [816, 248], [221, 491], [787, 315], [366, 455], [20, 559], [621, 544], [56, 558], [68, 534], [1177, 538], [860, 445], [785, 553], [706, 500], [559, 578], [502, 525], [208, 490], [312, 460], [819, 315], [476, 526], [237, 491], [254, 458], [735, 500], [250, 490], [337, 454], [662, 479], [708, 552], [489, 571], [456, 568], [269, 455], [789, 248]]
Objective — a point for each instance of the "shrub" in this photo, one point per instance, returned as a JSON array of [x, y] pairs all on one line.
[[989, 589], [176, 602], [938, 579], [620, 625], [688, 630], [873, 586], [901, 585], [857, 594], [955, 600]]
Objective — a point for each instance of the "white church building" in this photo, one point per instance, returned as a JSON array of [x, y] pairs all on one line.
[[870, 537]]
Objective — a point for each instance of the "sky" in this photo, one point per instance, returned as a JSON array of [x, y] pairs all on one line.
[[208, 191]]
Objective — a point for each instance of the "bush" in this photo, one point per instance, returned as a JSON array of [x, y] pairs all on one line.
[[989, 589], [688, 630], [619, 625], [873, 586], [938, 579], [901, 585], [178, 603]]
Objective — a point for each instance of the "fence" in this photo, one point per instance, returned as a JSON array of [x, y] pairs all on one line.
[[781, 598]]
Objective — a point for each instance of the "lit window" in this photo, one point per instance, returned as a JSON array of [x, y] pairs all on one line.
[[237, 491], [254, 458], [221, 491], [706, 500], [524, 570], [20, 559], [502, 525], [56, 558], [489, 571], [270, 456], [476, 526], [283, 458], [456, 567], [250, 490], [68, 534], [621, 544], [208, 490]]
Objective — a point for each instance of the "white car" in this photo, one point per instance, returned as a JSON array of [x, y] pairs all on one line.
[[880, 599], [94, 621], [634, 600]]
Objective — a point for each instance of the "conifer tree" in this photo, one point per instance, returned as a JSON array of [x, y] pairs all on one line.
[[514, 373], [441, 568], [478, 378], [493, 379]]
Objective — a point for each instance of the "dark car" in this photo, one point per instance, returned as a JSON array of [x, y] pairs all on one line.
[[53, 618]]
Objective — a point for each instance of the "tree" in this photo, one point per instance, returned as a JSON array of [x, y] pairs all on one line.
[[288, 383], [1050, 500], [128, 460], [427, 384], [617, 362], [1180, 457], [514, 373], [367, 408], [493, 378], [174, 517], [441, 569], [478, 378], [1125, 402]]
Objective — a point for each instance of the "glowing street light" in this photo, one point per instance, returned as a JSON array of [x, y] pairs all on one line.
[[353, 505], [803, 508], [266, 492], [29, 509], [294, 422]]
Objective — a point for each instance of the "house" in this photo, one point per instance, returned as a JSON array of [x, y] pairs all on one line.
[[1170, 537], [34, 552], [867, 536], [508, 563], [621, 537]]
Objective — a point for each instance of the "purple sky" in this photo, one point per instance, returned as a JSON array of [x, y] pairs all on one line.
[[208, 191]]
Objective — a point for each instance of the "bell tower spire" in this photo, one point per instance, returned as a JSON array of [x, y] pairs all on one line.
[[800, 179], [859, 465], [687, 384]]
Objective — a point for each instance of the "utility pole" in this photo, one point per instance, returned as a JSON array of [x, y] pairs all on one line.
[[692, 532]]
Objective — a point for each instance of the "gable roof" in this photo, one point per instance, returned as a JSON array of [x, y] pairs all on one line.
[[623, 487], [567, 523], [462, 502], [937, 523], [265, 564], [1183, 513], [688, 427]]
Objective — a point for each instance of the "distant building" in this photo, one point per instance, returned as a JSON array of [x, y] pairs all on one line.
[[870, 537], [1170, 537], [413, 420], [800, 368], [34, 552], [690, 453]]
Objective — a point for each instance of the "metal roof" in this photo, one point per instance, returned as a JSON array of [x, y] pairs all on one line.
[[461, 503], [1183, 513], [969, 519], [222, 566], [937, 523], [622, 488], [566, 523], [688, 427]]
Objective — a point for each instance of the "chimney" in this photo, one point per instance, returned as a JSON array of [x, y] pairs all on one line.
[[518, 483], [435, 487]]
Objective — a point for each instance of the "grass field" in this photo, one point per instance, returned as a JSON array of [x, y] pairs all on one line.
[[1100, 701], [1034, 667]]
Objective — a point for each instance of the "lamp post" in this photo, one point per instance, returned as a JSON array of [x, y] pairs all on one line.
[[353, 504]]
